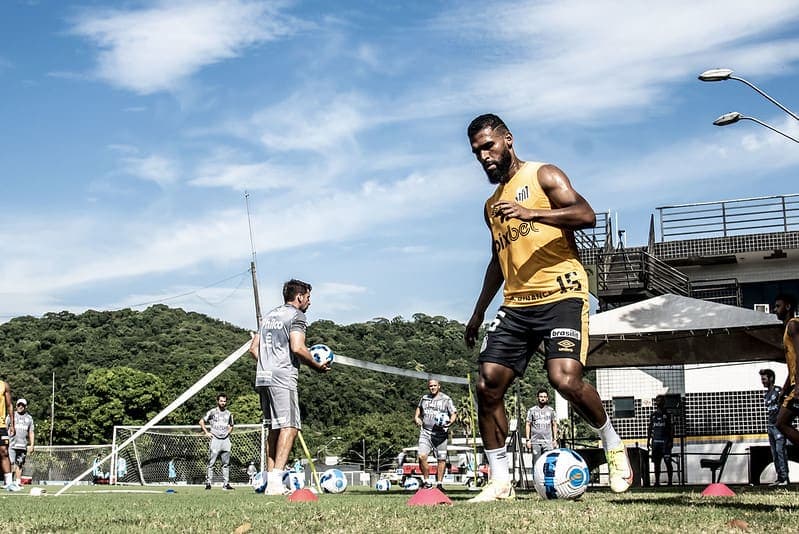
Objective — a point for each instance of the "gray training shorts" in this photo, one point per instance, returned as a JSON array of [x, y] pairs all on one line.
[[280, 406], [429, 441]]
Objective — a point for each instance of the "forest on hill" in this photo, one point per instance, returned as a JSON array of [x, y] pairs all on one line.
[[122, 367]]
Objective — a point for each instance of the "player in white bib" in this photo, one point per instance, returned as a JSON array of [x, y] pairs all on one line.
[[434, 415]]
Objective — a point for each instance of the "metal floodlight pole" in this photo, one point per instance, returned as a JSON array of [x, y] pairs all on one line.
[[718, 75], [734, 116]]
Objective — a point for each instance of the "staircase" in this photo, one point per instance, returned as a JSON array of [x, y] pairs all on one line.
[[625, 276]]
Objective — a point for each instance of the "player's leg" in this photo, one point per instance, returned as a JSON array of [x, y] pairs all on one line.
[[224, 455], [669, 465], [12, 460], [780, 457], [213, 454], [441, 456], [566, 349], [425, 446], [657, 457], [789, 410], [285, 411]]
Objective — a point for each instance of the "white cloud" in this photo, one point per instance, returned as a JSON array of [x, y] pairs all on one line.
[[157, 47], [569, 60], [154, 168]]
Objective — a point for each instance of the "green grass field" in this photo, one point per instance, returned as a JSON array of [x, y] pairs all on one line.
[[192, 509]]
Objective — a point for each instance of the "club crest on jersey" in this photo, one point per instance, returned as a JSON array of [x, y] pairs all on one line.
[[565, 332], [523, 193]]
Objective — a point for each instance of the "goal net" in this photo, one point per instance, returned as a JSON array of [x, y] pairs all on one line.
[[61, 463], [178, 454]]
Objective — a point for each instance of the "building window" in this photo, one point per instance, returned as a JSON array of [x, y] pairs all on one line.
[[623, 407]]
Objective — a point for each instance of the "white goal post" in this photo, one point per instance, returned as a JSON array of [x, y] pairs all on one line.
[[178, 454]]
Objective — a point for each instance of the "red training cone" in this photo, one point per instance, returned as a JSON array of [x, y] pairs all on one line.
[[429, 497], [303, 495], [718, 490]]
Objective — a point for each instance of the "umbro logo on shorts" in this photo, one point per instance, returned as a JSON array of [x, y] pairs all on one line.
[[565, 332], [566, 346]]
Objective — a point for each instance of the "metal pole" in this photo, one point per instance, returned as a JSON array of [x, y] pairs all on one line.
[[52, 412]]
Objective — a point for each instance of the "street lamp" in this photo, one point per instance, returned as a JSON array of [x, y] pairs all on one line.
[[734, 116], [324, 447], [719, 75]]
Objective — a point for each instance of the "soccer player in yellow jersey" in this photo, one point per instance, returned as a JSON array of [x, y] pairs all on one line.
[[785, 309], [532, 217]]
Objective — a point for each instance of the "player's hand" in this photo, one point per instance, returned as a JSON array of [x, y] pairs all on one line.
[[473, 329], [322, 367], [511, 210], [30, 449]]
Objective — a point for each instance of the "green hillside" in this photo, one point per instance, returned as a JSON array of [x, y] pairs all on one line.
[[123, 367]]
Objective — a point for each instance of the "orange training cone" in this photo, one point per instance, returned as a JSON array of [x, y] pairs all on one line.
[[718, 490], [303, 495], [429, 497]]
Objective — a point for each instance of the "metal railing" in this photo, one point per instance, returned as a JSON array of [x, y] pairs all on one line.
[[597, 237], [721, 290], [730, 217], [636, 269]]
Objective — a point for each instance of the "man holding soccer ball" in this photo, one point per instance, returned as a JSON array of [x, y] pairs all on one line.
[[434, 415], [532, 216], [278, 348]]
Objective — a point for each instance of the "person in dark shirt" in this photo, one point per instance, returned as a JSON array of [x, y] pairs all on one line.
[[775, 438], [660, 439]]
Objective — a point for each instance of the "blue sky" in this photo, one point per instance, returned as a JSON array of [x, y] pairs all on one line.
[[132, 129]]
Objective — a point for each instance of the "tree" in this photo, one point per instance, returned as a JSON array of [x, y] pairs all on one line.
[[119, 396]]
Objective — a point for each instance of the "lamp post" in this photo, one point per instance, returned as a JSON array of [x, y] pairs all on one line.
[[734, 116], [719, 75], [324, 447]]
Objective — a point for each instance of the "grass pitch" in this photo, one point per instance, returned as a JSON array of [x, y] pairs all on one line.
[[362, 510]]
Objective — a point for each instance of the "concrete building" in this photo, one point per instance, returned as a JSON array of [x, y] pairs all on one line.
[[738, 252]]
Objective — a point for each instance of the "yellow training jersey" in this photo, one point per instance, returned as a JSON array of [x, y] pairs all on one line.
[[540, 263], [2, 404], [790, 352]]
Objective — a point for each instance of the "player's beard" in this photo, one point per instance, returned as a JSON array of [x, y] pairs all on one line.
[[499, 174]]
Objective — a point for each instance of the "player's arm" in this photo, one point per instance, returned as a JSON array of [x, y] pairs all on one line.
[[492, 281], [793, 333], [255, 344], [570, 210], [554, 430], [649, 433], [202, 426], [297, 344], [452, 418], [30, 439], [11, 425], [417, 416]]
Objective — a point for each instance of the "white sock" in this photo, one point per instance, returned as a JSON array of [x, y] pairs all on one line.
[[610, 439], [498, 462], [8, 477]]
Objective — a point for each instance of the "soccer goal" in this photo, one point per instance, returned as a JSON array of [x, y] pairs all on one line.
[[178, 454]]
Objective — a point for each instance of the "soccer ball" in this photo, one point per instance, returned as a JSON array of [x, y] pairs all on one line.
[[294, 481], [411, 484], [442, 419], [333, 481], [259, 482], [560, 474], [321, 354], [383, 484]]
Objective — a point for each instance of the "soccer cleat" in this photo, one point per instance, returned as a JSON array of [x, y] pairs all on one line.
[[208, 486], [13, 487], [620, 472], [427, 485], [495, 491], [227, 487]]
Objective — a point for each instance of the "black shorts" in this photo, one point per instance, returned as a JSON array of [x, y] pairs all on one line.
[[4, 437], [516, 333]]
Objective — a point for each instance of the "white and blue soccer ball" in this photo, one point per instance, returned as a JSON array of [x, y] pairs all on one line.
[[333, 481], [442, 419], [294, 481], [561, 474], [321, 354], [383, 484], [259, 481], [411, 484]]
